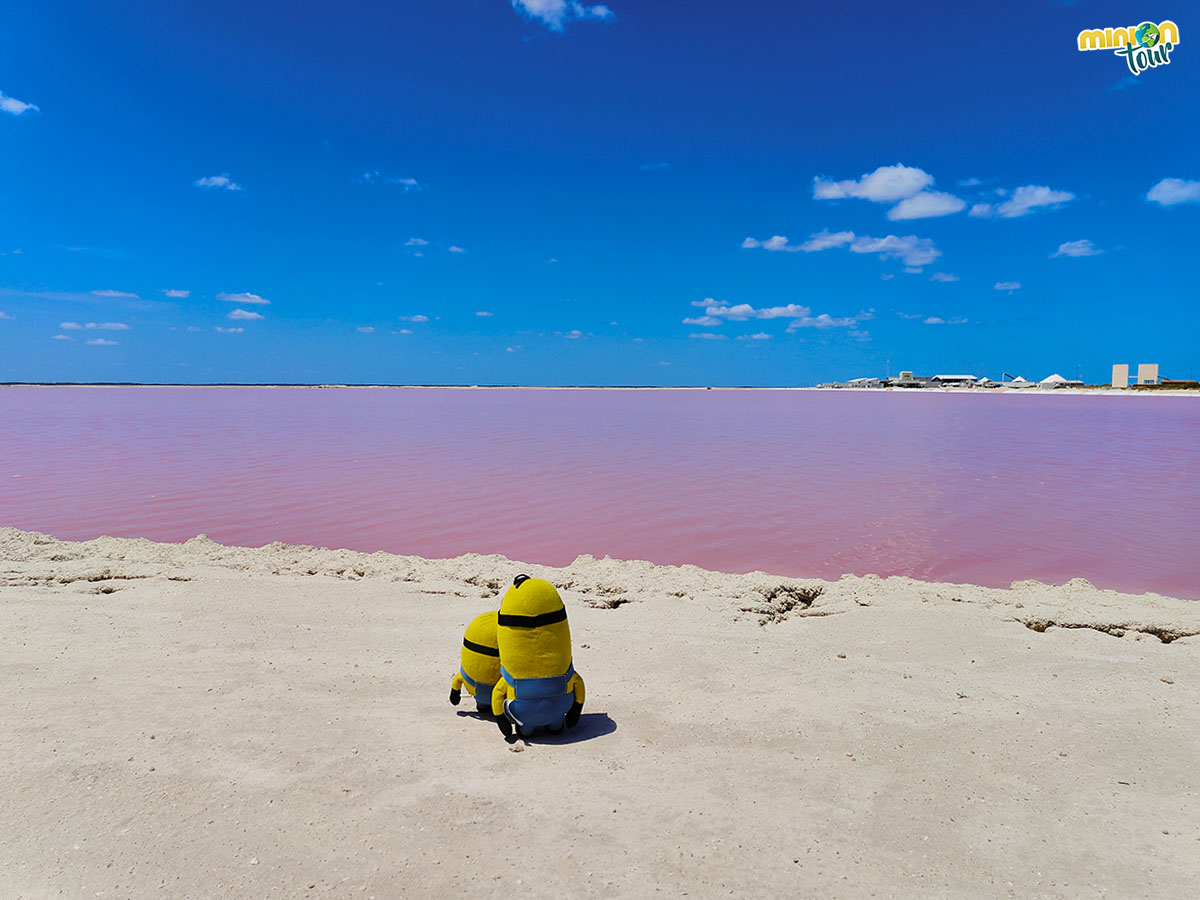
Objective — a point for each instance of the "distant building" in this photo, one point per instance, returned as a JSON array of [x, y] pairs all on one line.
[[954, 380], [908, 380], [1021, 382], [1147, 373]]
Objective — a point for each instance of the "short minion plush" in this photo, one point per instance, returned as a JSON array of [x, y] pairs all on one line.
[[538, 685], [480, 668]]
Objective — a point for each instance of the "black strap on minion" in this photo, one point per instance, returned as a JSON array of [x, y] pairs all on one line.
[[479, 648], [507, 621], [510, 621]]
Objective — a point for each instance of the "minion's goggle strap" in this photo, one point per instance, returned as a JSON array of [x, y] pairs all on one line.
[[507, 621], [479, 648]]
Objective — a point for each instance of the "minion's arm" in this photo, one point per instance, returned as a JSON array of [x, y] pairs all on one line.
[[503, 691], [576, 686], [456, 684]]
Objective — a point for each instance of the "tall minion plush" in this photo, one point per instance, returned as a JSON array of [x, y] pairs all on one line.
[[480, 668], [538, 685]]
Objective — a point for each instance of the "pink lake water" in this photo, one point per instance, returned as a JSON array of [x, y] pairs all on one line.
[[943, 487]]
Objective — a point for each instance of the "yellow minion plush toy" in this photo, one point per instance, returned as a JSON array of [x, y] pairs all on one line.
[[538, 685], [480, 668]]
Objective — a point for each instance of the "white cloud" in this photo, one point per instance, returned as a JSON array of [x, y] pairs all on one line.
[[800, 316], [177, 295], [1171, 191], [1009, 286], [888, 277], [1077, 248], [94, 326], [1023, 201], [454, 249], [904, 315], [115, 295], [485, 315], [824, 240], [215, 182], [887, 184], [969, 182], [905, 186], [62, 337], [926, 205], [555, 13], [405, 331], [250, 299], [707, 336], [944, 277], [760, 336], [937, 320], [911, 250], [15, 107], [743, 311], [244, 315], [374, 176], [778, 242], [226, 330], [415, 242], [366, 329], [824, 320], [574, 334], [100, 342], [416, 318], [913, 270], [4, 315]]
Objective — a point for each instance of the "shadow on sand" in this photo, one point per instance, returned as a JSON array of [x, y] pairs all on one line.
[[591, 725]]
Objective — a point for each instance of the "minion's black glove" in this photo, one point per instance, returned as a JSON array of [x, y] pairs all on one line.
[[455, 696], [573, 714]]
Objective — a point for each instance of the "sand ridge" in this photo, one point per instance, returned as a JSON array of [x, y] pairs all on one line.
[[196, 720]]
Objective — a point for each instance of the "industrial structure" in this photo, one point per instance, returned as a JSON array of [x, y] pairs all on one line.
[[1147, 373]]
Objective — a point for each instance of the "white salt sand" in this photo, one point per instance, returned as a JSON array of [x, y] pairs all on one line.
[[194, 720]]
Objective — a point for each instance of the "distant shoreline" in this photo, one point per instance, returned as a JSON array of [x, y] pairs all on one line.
[[1075, 391]]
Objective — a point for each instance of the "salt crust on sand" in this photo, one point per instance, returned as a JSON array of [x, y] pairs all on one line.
[[196, 720]]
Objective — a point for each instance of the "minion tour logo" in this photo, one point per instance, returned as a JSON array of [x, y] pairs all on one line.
[[1143, 46]]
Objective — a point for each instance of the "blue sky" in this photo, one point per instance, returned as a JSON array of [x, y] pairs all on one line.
[[548, 192]]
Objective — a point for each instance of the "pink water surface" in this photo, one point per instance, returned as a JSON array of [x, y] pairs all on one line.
[[946, 487]]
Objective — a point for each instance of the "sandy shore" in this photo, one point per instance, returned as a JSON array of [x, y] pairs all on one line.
[[194, 720]]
